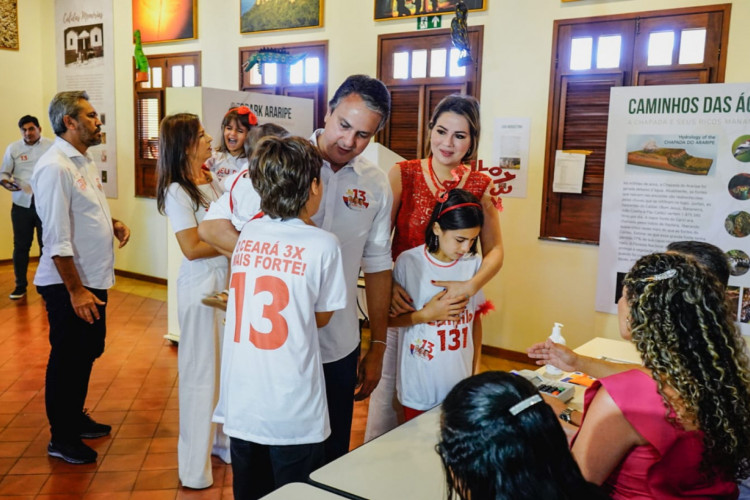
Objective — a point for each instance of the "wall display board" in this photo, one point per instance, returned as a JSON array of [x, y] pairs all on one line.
[[165, 20], [85, 61], [677, 168], [8, 24], [510, 152], [293, 113], [277, 15]]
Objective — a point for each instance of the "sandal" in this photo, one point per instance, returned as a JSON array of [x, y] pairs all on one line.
[[217, 299]]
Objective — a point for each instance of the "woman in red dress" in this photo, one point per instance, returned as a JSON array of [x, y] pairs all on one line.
[[417, 185]]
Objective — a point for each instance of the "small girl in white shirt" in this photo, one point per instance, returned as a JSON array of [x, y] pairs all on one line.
[[436, 352], [231, 157]]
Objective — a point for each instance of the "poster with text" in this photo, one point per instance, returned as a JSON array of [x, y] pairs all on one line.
[[510, 152], [293, 113], [677, 168], [85, 61]]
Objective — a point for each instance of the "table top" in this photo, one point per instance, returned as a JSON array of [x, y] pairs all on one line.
[[401, 463], [300, 491]]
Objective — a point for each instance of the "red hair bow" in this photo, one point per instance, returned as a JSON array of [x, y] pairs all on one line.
[[244, 110]]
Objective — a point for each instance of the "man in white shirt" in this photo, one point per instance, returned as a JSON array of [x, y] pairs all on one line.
[[356, 207], [75, 270], [18, 163]]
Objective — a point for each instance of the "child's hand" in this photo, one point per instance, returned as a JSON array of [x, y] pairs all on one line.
[[443, 308], [457, 288], [400, 301]]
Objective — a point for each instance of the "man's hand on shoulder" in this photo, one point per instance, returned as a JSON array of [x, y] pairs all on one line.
[[122, 232]]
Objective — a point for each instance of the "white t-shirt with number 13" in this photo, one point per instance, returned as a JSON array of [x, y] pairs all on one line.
[[272, 388]]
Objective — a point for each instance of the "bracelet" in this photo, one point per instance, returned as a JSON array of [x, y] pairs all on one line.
[[378, 341]]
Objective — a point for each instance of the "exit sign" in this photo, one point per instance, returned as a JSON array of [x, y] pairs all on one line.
[[429, 22]]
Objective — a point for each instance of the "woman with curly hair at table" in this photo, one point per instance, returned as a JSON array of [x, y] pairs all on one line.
[[678, 426]]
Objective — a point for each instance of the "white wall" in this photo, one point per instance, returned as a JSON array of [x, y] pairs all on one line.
[[26, 72], [541, 282]]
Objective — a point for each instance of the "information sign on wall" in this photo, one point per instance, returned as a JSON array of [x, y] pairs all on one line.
[[677, 168]]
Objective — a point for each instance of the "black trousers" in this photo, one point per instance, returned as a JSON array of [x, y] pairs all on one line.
[[74, 345], [258, 469], [24, 220], [341, 380]]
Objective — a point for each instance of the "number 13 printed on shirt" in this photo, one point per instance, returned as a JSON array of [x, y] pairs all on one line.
[[279, 291]]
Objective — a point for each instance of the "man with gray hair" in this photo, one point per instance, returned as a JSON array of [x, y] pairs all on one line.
[[75, 270]]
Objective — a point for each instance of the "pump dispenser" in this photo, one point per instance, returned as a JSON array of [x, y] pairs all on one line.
[[557, 338]]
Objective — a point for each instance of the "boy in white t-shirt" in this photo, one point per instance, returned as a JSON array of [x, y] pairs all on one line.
[[287, 279]]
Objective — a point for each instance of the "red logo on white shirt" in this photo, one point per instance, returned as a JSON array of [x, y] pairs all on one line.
[[356, 199]]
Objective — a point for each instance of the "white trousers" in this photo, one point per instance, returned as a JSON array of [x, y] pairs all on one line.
[[198, 362], [385, 412]]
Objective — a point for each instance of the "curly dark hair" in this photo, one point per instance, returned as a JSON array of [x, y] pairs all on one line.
[[707, 254], [684, 329], [489, 453], [282, 169]]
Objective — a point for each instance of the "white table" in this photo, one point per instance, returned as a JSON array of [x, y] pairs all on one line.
[[300, 491], [401, 463]]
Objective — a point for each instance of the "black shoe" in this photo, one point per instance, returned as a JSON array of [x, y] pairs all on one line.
[[73, 453], [18, 293], [91, 429]]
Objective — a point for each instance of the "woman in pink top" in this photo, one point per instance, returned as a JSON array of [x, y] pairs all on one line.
[[678, 426]]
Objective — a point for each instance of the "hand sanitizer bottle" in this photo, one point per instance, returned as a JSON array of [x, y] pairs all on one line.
[[556, 337]]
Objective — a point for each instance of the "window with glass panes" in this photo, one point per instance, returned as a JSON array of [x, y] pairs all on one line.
[[589, 57], [420, 69], [173, 70], [306, 78]]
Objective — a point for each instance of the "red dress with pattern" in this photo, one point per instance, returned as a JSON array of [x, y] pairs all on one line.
[[417, 202]]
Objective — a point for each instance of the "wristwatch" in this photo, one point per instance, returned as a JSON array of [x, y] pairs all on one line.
[[565, 415]]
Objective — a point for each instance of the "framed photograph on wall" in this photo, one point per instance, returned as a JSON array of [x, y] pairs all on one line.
[[393, 9], [275, 15], [166, 20], [9, 24]]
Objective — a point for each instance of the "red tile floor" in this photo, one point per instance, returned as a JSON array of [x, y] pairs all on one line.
[[133, 388]]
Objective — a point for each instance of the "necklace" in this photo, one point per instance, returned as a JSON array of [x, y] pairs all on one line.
[[443, 187]]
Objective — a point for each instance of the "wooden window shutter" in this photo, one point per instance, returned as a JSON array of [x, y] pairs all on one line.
[[584, 112]]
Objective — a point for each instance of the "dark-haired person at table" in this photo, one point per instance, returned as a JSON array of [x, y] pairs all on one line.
[[499, 441], [679, 425]]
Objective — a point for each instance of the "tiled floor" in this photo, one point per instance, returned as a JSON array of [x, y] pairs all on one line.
[[133, 388]]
